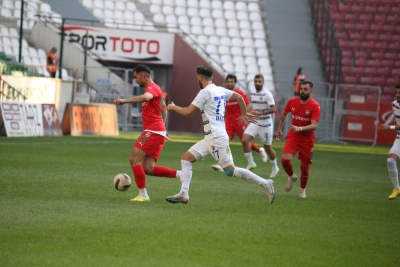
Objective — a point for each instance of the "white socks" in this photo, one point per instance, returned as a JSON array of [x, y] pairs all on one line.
[[274, 163], [248, 175], [178, 174], [249, 157], [393, 173], [143, 193], [186, 176]]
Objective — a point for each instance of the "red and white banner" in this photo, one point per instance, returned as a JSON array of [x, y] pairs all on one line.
[[29, 119], [124, 45]]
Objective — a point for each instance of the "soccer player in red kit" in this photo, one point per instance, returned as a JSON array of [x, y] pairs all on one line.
[[149, 145], [233, 114], [305, 117]]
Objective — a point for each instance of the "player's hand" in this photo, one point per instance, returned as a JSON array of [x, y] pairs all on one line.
[[119, 102], [278, 135], [383, 127], [171, 106], [257, 113], [240, 120], [250, 118], [167, 137], [295, 128]]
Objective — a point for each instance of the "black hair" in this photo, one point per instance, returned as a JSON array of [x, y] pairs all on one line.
[[307, 82], [398, 86], [142, 68], [231, 76], [299, 70], [206, 71], [259, 76]]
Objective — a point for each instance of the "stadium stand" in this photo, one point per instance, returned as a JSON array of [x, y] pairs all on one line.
[[367, 32], [226, 31], [33, 60]]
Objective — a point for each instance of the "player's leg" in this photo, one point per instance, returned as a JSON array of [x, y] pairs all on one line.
[[240, 131], [266, 137], [305, 156], [138, 172], [196, 152], [289, 150], [155, 144], [392, 159], [230, 130], [223, 155], [249, 133]]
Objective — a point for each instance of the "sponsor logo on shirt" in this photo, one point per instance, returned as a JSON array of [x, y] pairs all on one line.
[[307, 112], [297, 117]]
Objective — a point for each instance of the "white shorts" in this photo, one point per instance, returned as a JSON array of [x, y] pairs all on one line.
[[395, 148], [265, 133], [218, 148]]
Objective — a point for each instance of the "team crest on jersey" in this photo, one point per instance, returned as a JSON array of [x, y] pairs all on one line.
[[307, 112], [147, 134]]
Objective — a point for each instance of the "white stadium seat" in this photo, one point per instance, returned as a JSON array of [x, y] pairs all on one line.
[[87, 3], [109, 5], [98, 4], [237, 41], [216, 4], [225, 59], [180, 11], [214, 40], [41, 53], [209, 30], [217, 14], [238, 60], [202, 39], [211, 49], [241, 6], [225, 40], [242, 15], [205, 4], [155, 9], [262, 52], [220, 32], [257, 25], [220, 22], [108, 13], [248, 42], [131, 6], [192, 12], [229, 5], [255, 16], [196, 21], [260, 43], [120, 5], [167, 10], [168, 2], [228, 67], [236, 51], [205, 13], [224, 50], [232, 23], [229, 14], [263, 61], [253, 7], [195, 29], [158, 18], [245, 33], [180, 3], [249, 51], [183, 20], [244, 24], [259, 34], [208, 22], [250, 60], [233, 32]]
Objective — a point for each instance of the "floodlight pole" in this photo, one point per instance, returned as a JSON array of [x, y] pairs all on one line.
[[20, 31]]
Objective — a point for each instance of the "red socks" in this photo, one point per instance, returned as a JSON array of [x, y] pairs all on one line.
[[162, 171], [305, 172], [287, 166], [254, 147], [140, 176]]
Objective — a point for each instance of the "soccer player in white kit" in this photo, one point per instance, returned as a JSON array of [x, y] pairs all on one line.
[[263, 106], [211, 102], [394, 153]]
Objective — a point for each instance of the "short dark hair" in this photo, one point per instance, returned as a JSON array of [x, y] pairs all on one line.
[[398, 86], [307, 82], [206, 71], [231, 76], [142, 68], [259, 76]]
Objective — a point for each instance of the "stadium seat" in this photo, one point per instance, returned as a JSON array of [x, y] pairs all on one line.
[[366, 80], [357, 10], [350, 80], [379, 19], [387, 63], [350, 18]]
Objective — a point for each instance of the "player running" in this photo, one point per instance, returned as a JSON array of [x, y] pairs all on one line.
[[149, 145], [305, 117], [210, 101]]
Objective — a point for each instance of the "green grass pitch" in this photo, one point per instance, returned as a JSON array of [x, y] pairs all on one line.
[[58, 207]]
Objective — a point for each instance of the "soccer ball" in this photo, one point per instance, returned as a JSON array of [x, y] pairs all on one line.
[[122, 182]]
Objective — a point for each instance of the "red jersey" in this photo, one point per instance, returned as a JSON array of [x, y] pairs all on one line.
[[152, 109], [232, 111], [302, 114]]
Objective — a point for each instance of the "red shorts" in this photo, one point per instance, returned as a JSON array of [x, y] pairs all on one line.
[[151, 143], [234, 128], [305, 151]]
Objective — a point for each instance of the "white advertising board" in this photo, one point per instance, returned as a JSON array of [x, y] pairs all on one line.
[[35, 89], [123, 45], [29, 119]]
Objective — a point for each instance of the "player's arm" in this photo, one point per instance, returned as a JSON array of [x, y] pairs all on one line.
[[312, 126], [243, 108], [187, 111], [164, 112], [136, 99], [389, 127], [280, 125], [270, 110]]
